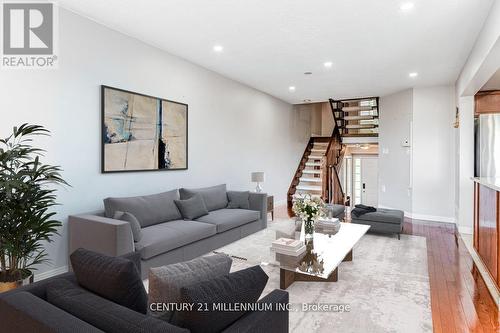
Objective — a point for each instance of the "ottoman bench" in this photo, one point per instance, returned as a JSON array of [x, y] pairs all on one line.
[[338, 211], [383, 220]]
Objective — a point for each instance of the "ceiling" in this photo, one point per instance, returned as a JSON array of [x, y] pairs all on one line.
[[493, 83], [269, 44]]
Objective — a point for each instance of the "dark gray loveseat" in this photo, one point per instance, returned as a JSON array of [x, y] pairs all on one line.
[[166, 237], [27, 310]]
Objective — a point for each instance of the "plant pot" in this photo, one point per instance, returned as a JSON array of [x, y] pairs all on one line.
[[6, 286]]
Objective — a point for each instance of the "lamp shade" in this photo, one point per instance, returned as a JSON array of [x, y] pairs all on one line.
[[258, 177]]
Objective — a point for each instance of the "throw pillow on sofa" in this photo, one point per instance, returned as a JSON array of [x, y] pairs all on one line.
[[238, 199], [192, 208], [148, 209], [100, 312], [132, 220], [215, 197], [114, 278], [241, 287], [165, 282]]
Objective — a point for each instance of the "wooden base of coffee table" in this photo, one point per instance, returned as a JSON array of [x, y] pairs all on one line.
[[288, 277], [348, 256]]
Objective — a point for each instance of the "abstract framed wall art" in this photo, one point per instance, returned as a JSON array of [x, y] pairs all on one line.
[[142, 133]]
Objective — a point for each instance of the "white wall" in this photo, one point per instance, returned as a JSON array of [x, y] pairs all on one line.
[[464, 185], [433, 154], [233, 129], [484, 58], [394, 159], [482, 63], [419, 179]]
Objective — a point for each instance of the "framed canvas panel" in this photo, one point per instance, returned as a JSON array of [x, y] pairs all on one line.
[[142, 133]]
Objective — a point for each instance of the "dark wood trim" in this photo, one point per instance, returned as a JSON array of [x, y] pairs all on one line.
[[287, 278], [270, 206], [348, 256], [487, 229], [487, 102], [297, 175]]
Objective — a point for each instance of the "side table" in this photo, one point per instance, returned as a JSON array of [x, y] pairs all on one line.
[[270, 206]]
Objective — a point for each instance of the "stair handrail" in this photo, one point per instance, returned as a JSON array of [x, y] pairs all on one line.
[[332, 168], [292, 188], [336, 130]]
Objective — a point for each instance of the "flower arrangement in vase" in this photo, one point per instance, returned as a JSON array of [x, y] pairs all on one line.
[[308, 209]]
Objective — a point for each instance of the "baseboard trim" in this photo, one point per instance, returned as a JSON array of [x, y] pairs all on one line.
[[434, 218], [51, 273]]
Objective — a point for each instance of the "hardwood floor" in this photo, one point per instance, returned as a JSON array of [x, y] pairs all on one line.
[[460, 300]]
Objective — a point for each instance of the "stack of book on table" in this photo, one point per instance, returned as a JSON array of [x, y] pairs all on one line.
[[327, 224], [288, 246]]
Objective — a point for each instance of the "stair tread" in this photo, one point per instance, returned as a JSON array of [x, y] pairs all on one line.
[[308, 188], [311, 171], [312, 164], [356, 108], [360, 135], [310, 180], [318, 150], [360, 126], [359, 117], [315, 157]]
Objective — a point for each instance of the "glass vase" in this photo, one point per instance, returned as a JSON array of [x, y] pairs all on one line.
[[309, 228]]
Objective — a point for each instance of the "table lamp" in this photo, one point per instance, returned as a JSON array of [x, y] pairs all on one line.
[[258, 177]]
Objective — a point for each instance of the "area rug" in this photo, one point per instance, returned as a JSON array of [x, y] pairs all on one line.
[[384, 289]]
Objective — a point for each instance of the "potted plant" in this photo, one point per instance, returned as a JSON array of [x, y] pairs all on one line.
[[27, 197], [308, 209]]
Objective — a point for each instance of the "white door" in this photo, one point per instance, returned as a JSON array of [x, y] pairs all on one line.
[[369, 181]]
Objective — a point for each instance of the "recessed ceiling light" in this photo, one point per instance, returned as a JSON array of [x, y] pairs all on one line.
[[291, 88], [407, 6], [308, 73], [218, 48], [413, 74], [328, 64]]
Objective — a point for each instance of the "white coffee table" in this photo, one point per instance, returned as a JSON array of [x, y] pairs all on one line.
[[319, 263], [324, 254]]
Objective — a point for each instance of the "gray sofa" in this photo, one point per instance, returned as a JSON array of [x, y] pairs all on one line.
[[382, 221], [166, 237]]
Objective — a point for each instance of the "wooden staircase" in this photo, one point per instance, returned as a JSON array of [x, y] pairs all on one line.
[[319, 167], [356, 117], [318, 170]]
